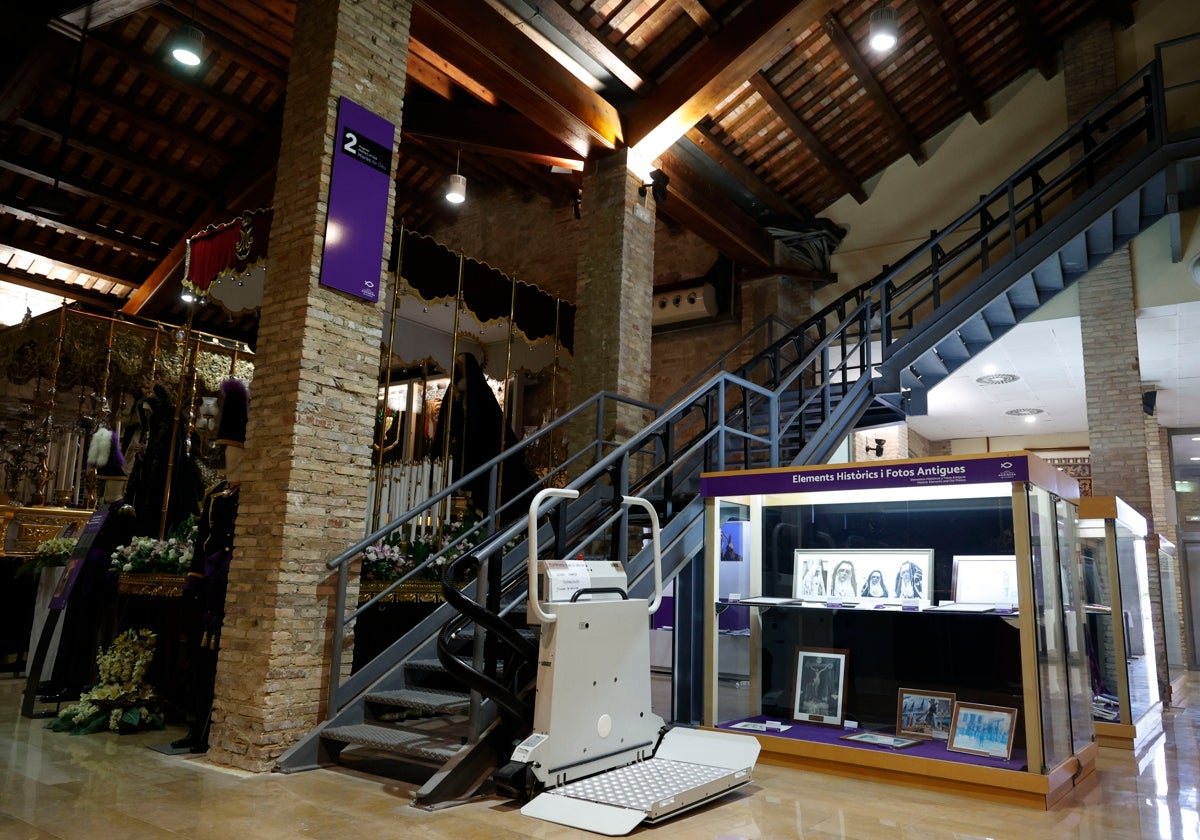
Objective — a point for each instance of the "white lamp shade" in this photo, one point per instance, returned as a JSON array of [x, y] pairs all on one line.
[[187, 45], [457, 191], [884, 29]]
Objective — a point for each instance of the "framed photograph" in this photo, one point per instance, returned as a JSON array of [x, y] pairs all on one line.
[[924, 714], [820, 685], [984, 579], [983, 730], [878, 739], [885, 575]]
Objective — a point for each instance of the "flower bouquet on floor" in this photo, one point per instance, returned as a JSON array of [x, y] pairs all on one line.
[[121, 701]]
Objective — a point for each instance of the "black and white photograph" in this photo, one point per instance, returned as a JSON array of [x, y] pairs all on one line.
[[847, 575], [984, 579], [820, 685], [983, 730], [810, 583], [924, 714]]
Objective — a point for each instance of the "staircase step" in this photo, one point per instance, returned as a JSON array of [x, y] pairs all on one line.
[[418, 744], [423, 699]]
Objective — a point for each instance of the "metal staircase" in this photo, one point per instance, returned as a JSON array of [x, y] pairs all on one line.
[[453, 692]]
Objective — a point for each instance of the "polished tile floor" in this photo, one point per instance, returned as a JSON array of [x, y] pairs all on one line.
[[92, 787]]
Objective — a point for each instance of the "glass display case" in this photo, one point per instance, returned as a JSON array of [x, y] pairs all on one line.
[[1172, 613], [1120, 633], [911, 620]]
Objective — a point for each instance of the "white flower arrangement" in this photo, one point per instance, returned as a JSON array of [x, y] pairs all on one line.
[[121, 700], [145, 555]]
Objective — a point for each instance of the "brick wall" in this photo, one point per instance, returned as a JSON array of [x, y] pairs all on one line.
[[312, 403]]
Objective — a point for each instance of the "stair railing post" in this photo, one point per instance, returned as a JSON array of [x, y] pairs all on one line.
[[339, 626], [1012, 220]]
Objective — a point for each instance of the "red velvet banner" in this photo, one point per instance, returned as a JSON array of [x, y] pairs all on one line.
[[227, 250]]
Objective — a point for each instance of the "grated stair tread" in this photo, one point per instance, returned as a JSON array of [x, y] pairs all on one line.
[[417, 744], [423, 699]]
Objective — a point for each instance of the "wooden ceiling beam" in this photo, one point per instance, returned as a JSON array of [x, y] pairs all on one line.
[[700, 206], [33, 169], [948, 49], [144, 66], [436, 75], [566, 20], [105, 237], [154, 125], [900, 132], [1031, 34], [701, 15], [718, 67], [745, 176], [777, 103], [100, 300], [490, 132], [484, 45], [122, 156], [84, 265]]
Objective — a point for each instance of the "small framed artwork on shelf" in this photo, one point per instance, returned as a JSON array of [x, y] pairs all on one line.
[[984, 579], [983, 730], [924, 714], [820, 685], [880, 739]]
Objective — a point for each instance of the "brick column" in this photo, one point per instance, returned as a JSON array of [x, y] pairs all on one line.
[[614, 290], [312, 404], [1118, 433]]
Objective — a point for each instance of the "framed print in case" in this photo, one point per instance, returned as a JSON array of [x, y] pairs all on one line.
[[984, 579], [924, 714], [820, 685], [869, 575], [983, 730], [881, 739]]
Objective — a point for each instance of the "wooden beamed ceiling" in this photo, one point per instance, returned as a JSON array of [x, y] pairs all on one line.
[[762, 112]]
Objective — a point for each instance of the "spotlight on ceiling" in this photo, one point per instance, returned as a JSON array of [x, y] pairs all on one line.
[[884, 29], [187, 45]]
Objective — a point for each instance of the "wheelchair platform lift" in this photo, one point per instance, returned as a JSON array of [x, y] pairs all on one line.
[[603, 760]]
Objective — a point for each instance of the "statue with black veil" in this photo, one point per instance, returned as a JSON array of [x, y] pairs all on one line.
[[472, 430]]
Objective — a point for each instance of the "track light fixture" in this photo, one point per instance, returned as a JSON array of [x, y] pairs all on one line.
[[187, 42], [456, 193], [657, 186]]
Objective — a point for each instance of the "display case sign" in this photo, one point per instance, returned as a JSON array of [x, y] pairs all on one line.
[[358, 202], [868, 476]]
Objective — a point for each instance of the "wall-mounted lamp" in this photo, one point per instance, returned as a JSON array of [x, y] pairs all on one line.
[[657, 186], [456, 193], [884, 29]]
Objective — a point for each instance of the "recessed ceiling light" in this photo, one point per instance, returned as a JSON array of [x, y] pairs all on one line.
[[997, 379], [1028, 413]]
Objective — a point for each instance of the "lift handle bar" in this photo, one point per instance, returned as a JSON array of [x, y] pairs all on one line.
[[561, 493]]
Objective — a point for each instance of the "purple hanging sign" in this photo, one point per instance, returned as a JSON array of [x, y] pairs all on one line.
[[869, 476], [358, 199]]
